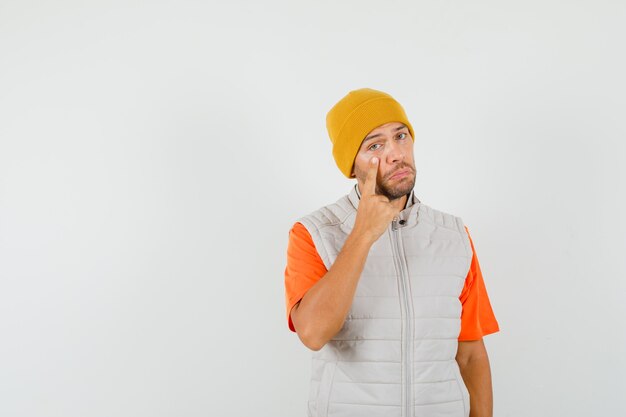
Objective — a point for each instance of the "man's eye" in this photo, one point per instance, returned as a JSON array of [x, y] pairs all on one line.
[[401, 135], [371, 148]]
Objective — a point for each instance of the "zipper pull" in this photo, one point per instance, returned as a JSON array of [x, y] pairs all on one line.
[[394, 223]]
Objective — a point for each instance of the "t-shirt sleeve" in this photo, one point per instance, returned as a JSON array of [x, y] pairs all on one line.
[[304, 267], [477, 318]]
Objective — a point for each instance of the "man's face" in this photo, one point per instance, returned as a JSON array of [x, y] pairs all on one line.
[[393, 145]]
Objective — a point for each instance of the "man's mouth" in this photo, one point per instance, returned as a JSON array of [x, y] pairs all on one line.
[[401, 173]]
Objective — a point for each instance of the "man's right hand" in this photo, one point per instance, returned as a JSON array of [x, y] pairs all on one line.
[[322, 311], [375, 211]]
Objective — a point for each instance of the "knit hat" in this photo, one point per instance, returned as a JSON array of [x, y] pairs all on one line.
[[354, 116]]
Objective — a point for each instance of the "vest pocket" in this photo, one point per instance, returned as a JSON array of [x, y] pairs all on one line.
[[463, 388], [326, 383]]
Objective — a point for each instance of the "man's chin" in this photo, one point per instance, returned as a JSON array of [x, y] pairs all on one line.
[[399, 190]]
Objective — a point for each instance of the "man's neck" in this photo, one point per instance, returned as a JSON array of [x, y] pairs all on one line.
[[400, 203]]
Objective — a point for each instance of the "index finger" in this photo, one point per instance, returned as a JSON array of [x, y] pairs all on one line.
[[369, 187]]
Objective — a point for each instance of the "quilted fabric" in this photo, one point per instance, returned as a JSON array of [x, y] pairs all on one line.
[[395, 354]]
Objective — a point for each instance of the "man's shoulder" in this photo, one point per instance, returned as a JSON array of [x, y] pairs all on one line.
[[330, 214], [440, 217]]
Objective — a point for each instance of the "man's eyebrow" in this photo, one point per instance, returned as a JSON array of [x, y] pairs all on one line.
[[371, 137], [379, 134]]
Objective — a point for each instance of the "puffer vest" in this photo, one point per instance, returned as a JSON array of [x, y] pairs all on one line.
[[395, 353]]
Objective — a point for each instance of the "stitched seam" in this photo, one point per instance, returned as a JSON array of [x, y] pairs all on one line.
[[369, 405], [443, 402], [398, 318], [393, 383], [458, 383], [381, 361], [330, 387], [392, 340], [414, 296]]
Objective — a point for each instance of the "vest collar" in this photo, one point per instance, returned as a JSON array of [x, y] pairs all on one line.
[[355, 197]]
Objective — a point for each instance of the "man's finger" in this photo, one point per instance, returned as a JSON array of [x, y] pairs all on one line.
[[370, 180]]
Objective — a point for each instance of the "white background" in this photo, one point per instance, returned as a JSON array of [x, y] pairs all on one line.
[[153, 156]]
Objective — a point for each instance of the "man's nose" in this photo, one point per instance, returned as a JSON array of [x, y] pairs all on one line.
[[395, 153]]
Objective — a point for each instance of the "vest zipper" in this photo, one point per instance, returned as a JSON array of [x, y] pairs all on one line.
[[395, 244]]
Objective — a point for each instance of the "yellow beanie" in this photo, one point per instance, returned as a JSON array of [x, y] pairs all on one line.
[[354, 116]]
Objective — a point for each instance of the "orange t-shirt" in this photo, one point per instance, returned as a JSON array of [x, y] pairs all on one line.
[[305, 268]]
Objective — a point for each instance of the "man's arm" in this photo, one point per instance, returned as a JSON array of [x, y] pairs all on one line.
[[323, 309], [474, 365]]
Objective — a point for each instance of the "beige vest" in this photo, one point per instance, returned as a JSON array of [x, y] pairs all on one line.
[[394, 355]]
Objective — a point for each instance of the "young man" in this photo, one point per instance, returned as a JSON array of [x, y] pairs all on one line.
[[386, 290]]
